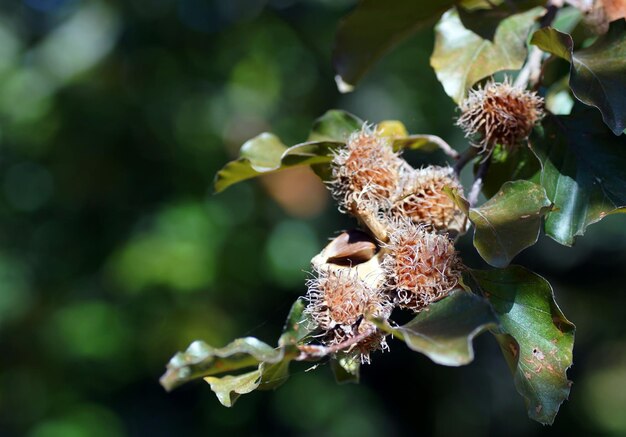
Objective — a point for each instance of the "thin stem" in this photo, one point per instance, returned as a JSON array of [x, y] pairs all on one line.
[[477, 186], [465, 157], [308, 352], [531, 72], [445, 147]]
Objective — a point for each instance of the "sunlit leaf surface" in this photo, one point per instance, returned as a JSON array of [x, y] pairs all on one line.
[[536, 338]]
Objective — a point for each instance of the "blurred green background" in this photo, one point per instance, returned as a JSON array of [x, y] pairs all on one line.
[[114, 253]]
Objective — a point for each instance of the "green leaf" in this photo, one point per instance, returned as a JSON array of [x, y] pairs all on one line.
[[229, 388], [373, 28], [519, 163], [200, 360], [584, 172], [536, 338], [552, 41], [444, 332], [335, 125], [509, 222], [274, 375], [461, 58], [346, 368], [597, 73], [484, 21], [297, 326], [265, 153], [460, 201]]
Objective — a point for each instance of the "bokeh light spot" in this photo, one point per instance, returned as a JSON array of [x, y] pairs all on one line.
[[91, 330], [178, 252], [82, 421], [290, 248]]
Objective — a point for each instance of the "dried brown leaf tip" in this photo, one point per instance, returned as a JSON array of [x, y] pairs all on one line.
[[340, 302], [499, 113], [365, 172], [421, 266], [424, 200]]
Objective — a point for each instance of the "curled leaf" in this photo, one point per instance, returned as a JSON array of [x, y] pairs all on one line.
[[445, 331], [265, 153], [509, 222], [200, 360], [373, 28], [583, 172], [509, 165], [536, 338], [297, 326], [272, 364], [229, 388], [597, 73], [335, 125]]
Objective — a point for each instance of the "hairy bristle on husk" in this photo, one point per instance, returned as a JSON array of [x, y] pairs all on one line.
[[340, 303], [499, 113], [424, 200], [365, 171], [421, 266]]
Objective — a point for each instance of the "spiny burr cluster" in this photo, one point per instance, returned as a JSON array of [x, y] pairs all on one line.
[[499, 114], [341, 303], [421, 266], [404, 258], [365, 172], [423, 199]]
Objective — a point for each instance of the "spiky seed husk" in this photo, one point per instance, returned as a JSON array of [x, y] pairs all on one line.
[[373, 341], [499, 113], [336, 298], [340, 303], [424, 201], [421, 266], [365, 171]]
